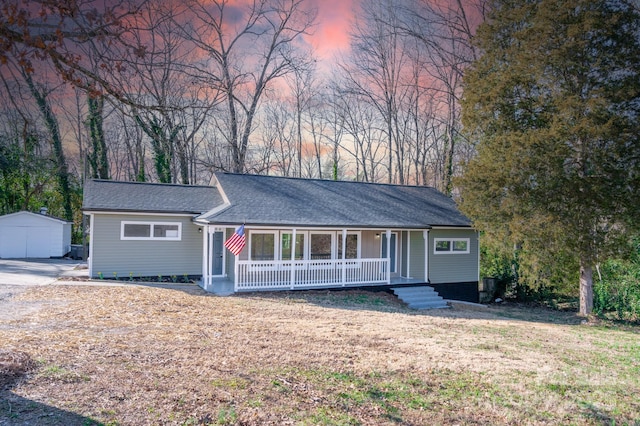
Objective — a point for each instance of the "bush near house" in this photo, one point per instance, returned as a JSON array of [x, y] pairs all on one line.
[[616, 287], [617, 293]]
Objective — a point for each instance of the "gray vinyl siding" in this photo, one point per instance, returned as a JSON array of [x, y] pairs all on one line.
[[416, 255], [370, 248], [144, 258], [453, 268]]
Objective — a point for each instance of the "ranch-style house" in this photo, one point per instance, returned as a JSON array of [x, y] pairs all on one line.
[[298, 234]]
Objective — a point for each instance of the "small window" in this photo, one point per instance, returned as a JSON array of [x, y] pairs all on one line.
[[451, 246], [263, 245], [134, 230], [151, 231], [352, 245], [461, 245], [443, 245], [165, 231], [285, 248], [321, 246]]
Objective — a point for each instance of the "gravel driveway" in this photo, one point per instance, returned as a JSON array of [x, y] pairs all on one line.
[[16, 275], [30, 272]]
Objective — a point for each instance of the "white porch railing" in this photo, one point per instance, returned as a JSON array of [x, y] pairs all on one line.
[[264, 275]]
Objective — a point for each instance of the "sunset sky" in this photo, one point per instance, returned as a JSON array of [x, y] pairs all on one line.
[[332, 30]]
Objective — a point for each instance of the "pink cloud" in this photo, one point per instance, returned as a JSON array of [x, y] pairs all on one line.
[[333, 25]]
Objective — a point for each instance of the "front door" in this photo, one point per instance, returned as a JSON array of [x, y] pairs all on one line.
[[392, 249], [218, 250]]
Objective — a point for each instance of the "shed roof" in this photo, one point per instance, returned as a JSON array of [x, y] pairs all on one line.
[[37, 215], [271, 200], [108, 195]]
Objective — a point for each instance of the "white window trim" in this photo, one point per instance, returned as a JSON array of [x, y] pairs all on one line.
[[150, 237], [451, 241]]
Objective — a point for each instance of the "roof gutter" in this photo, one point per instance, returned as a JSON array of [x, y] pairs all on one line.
[[254, 225], [139, 212]]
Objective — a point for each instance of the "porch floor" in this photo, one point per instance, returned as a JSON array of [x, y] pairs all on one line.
[[224, 287]]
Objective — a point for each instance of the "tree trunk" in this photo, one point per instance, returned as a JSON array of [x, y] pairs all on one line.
[[586, 288], [161, 148], [140, 175], [183, 162], [98, 157], [51, 123]]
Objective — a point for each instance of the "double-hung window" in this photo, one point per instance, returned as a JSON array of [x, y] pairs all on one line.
[[164, 231]]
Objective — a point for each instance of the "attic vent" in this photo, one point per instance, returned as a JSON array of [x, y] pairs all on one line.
[[43, 210]]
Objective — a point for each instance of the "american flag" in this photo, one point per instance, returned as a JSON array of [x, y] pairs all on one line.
[[236, 242]]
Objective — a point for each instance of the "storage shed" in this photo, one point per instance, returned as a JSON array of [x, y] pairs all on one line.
[[31, 235]]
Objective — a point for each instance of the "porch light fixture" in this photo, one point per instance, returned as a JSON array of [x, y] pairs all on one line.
[[377, 236]]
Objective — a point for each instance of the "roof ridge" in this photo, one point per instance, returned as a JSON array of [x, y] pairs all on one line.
[[181, 185], [48, 216], [328, 180]]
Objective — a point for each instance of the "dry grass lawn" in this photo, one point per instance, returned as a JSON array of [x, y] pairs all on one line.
[[134, 355]]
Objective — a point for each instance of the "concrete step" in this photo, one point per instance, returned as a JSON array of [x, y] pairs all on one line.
[[414, 290], [441, 304], [421, 297]]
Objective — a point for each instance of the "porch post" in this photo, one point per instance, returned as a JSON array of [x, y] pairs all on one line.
[[344, 256], [425, 235], [407, 255], [236, 268], [388, 256], [210, 236], [204, 256], [293, 258]]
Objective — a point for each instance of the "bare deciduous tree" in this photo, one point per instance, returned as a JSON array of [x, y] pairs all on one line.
[[445, 30], [248, 49], [374, 70]]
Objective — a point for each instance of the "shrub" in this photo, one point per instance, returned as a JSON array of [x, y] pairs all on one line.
[[618, 291]]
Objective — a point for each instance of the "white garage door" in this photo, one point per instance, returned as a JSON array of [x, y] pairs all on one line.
[[24, 241]]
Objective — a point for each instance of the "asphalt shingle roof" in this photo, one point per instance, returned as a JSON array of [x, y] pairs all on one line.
[[270, 200], [108, 195]]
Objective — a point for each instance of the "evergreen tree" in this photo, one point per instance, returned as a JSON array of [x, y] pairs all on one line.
[[554, 105]]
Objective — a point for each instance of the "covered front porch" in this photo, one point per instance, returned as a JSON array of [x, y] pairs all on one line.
[[224, 286], [296, 259]]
